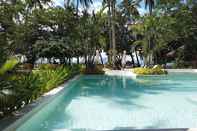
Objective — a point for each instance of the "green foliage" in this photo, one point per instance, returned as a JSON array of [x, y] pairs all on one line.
[[8, 65], [171, 23], [47, 66], [150, 71], [28, 87], [98, 69], [51, 78], [21, 89]]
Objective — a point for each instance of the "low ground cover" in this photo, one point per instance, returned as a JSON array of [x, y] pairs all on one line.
[[150, 71]]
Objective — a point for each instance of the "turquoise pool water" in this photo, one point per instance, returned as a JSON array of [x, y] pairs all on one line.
[[110, 102]]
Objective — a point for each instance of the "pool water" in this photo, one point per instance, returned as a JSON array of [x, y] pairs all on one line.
[[111, 102]]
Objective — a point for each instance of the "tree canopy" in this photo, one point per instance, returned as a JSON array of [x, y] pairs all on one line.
[[38, 29]]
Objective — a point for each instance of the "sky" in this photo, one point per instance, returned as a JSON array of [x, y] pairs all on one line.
[[97, 4]]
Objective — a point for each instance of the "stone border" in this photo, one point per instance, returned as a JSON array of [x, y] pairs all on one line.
[[11, 122]]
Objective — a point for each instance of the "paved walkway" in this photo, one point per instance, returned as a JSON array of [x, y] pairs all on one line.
[[182, 70], [129, 73], [126, 72]]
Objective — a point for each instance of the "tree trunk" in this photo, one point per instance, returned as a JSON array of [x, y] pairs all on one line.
[[77, 7], [138, 63], [110, 32], [113, 34], [85, 57], [132, 59], [69, 59], [77, 59], [101, 59]]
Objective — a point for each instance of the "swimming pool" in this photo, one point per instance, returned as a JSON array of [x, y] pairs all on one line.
[[111, 102]]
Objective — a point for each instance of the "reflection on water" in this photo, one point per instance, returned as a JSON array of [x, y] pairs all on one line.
[[111, 102]]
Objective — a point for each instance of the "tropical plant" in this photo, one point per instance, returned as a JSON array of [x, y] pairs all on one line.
[[8, 65], [150, 71], [6, 85], [21, 89]]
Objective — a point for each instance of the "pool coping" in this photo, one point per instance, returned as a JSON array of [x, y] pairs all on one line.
[[10, 123], [181, 70], [130, 73]]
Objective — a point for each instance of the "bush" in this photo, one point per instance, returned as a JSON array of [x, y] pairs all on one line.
[[24, 88], [98, 69], [52, 78], [150, 71], [47, 66]]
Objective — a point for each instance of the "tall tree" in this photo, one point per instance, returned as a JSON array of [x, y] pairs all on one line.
[[150, 4]]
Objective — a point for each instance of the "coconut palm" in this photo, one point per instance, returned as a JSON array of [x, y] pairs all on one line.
[[150, 4]]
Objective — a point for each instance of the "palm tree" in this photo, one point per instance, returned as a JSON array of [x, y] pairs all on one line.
[[130, 9], [150, 4], [111, 4]]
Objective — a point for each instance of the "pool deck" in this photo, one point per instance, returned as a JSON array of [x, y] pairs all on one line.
[[129, 73], [181, 70]]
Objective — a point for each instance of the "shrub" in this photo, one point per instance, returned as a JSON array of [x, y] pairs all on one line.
[[47, 66], [98, 69], [27, 87], [150, 71], [51, 78]]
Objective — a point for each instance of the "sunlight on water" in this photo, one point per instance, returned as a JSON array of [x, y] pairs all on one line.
[[108, 102]]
